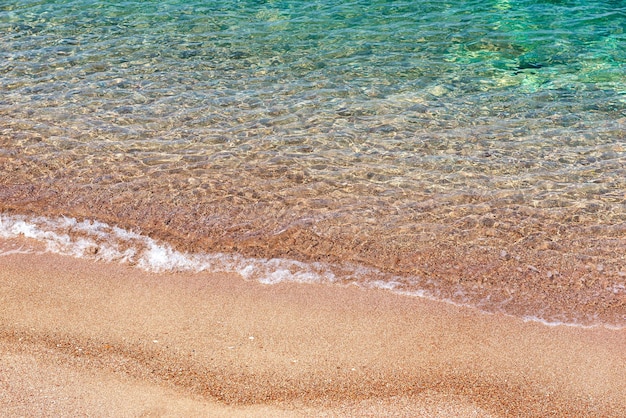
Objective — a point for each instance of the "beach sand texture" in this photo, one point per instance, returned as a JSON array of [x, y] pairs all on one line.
[[86, 338], [287, 208]]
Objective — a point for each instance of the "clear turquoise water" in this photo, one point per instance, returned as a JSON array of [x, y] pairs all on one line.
[[458, 145]]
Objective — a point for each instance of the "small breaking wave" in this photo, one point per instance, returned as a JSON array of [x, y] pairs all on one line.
[[99, 241]]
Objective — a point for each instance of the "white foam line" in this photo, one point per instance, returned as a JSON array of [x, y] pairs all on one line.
[[98, 240], [18, 251], [570, 324]]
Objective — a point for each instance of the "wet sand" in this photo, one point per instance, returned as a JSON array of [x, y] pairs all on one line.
[[80, 337]]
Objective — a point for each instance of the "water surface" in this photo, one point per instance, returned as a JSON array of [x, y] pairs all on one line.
[[471, 150]]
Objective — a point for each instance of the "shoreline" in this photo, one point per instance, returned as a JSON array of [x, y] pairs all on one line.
[[198, 343], [589, 303]]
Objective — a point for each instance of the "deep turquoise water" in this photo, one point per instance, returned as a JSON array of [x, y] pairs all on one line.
[[474, 149]]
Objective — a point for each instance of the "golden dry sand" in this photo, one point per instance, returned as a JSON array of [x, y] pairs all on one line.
[[80, 337]]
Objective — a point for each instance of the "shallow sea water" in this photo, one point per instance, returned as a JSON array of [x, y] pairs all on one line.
[[472, 151]]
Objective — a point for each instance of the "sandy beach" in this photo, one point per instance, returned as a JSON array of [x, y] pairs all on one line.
[[86, 338], [286, 208]]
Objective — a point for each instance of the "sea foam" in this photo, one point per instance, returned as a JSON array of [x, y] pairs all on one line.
[[100, 241]]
